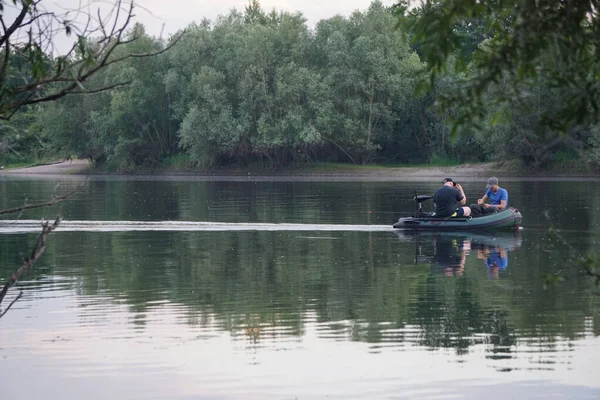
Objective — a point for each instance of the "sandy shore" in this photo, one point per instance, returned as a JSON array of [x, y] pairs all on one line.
[[82, 167], [479, 171], [58, 168]]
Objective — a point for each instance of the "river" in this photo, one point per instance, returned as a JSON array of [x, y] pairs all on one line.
[[185, 288]]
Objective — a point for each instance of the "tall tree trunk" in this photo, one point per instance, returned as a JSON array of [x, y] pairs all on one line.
[[370, 123]]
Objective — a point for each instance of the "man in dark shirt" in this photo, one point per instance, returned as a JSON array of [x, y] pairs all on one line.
[[448, 200]]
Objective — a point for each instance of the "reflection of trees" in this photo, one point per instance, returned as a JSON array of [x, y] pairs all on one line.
[[10, 246], [359, 286], [450, 314]]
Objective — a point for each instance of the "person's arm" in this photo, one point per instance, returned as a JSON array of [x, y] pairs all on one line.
[[503, 200], [462, 201], [502, 205], [483, 199]]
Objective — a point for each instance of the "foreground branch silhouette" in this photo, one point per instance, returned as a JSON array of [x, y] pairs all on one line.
[[29, 40], [55, 199], [40, 246], [28, 261]]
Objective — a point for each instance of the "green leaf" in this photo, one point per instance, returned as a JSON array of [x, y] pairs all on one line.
[[422, 87], [498, 117]]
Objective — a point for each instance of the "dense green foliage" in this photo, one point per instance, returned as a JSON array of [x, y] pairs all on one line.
[[527, 72], [262, 88], [554, 40]]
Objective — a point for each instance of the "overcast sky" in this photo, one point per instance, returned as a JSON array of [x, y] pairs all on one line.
[[168, 16], [177, 14]]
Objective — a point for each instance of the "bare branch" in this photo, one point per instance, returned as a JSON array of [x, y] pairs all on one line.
[[55, 199], [35, 18], [101, 23], [4, 67], [65, 93], [36, 253], [16, 23], [70, 89], [118, 8], [3, 25], [150, 54], [40, 246], [15, 109], [11, 304], [102, 89], [65, 70]]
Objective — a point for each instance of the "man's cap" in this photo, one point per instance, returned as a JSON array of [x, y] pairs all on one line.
[[491, 182], [447, 180]]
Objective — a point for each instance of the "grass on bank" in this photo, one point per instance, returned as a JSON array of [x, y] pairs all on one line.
[[182, 163], [435, 162]]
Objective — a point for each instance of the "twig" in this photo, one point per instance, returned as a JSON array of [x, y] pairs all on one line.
[[16, 24], [339, 147], [55, 199], [11, 304], [36, 253], [40, 246], [66, 93]]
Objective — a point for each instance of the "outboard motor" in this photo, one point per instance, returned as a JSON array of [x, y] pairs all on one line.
[[420, 199]]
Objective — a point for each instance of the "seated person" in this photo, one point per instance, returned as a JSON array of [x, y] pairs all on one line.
[[498, 199], [449, 198]]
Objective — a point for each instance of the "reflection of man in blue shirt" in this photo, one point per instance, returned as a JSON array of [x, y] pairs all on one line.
[[498, 258]]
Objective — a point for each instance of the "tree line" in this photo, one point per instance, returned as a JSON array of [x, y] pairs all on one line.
[[262, 88]]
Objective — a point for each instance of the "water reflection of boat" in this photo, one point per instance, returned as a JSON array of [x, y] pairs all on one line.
[[449, 250], [507, 240]]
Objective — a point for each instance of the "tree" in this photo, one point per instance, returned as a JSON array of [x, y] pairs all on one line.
[[30, 74], [525, 40], [369, 69], [539, 57]]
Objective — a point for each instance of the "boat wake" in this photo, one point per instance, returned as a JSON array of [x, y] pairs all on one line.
[[25, 226]]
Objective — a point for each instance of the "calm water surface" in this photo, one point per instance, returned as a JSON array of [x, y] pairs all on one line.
[[362, 313]]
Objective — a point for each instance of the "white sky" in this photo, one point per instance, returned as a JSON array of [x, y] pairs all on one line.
[[177, 14], [165, 17]]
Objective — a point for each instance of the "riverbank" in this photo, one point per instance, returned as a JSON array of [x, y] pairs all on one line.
[[470, 170], [52, 168]]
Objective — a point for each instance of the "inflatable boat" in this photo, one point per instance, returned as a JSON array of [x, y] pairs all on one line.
[[507, 219]]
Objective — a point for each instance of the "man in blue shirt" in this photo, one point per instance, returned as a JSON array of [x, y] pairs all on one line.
[[497, 196]]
